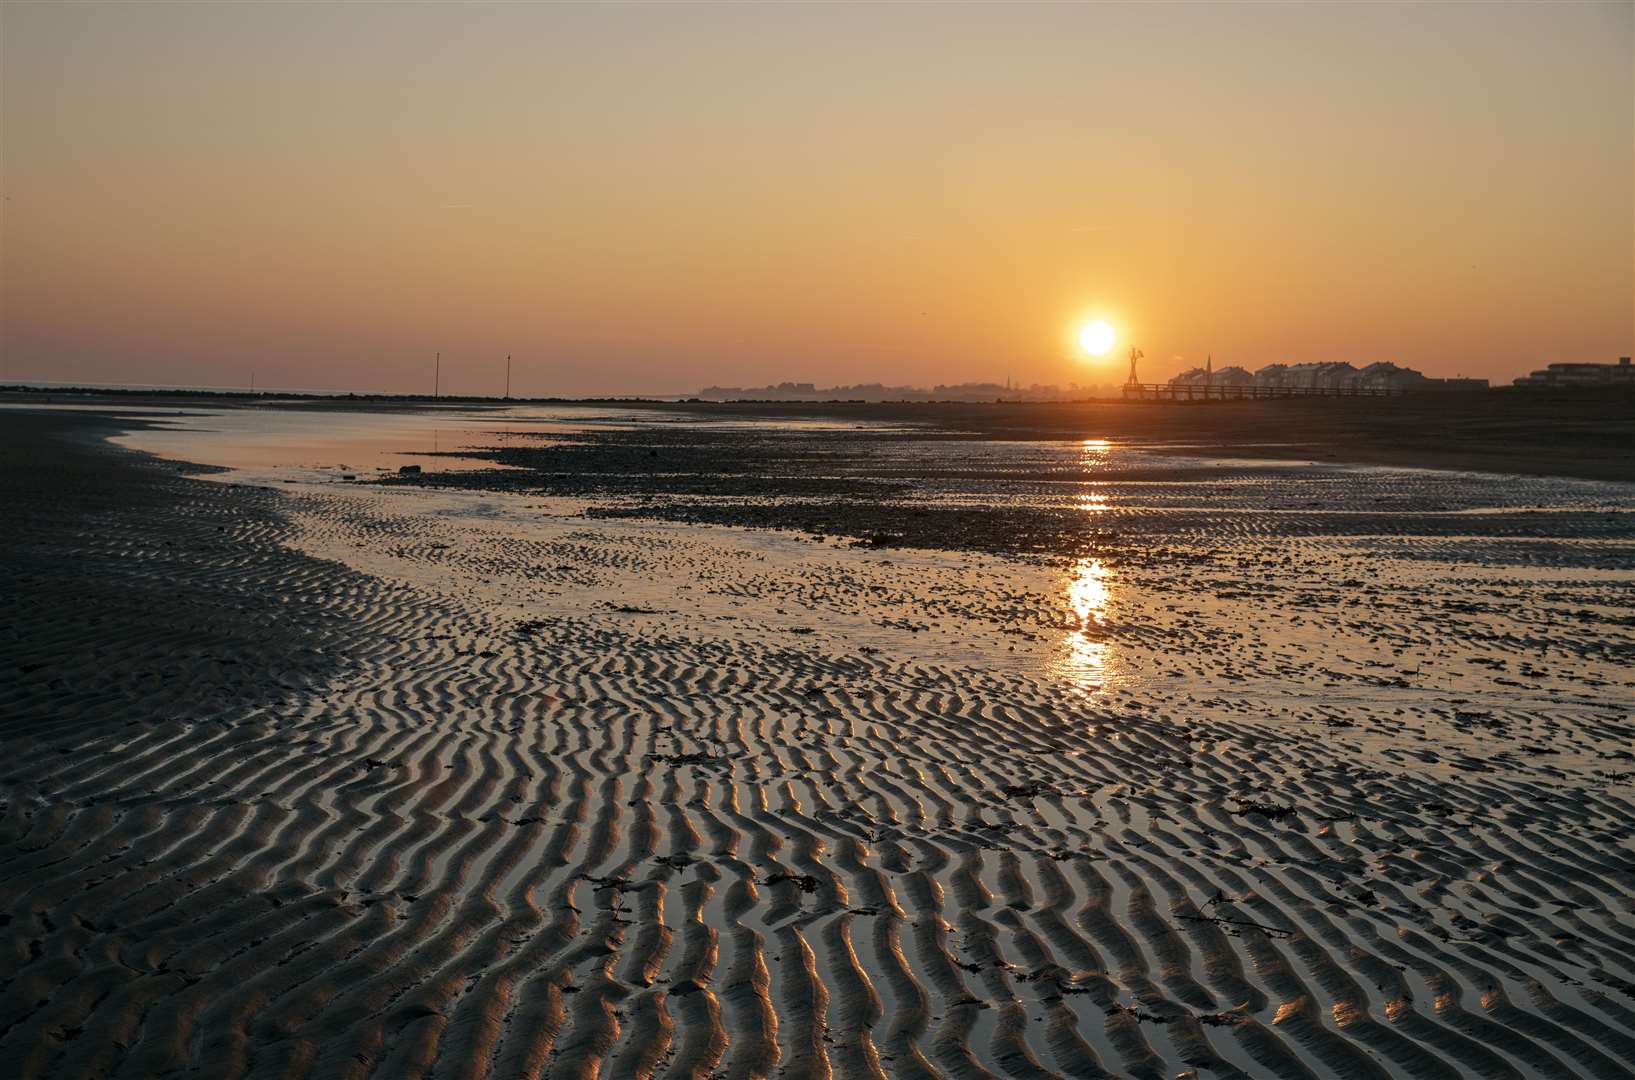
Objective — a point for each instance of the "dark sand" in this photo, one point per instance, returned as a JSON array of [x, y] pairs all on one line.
[[916, 487], [184, 579], [1587, 434], [1339, 791]]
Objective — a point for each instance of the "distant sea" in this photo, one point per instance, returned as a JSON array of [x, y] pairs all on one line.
[[274, 391], [75, 384]]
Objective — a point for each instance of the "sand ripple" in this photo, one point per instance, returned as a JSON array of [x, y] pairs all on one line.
[[454, 811]]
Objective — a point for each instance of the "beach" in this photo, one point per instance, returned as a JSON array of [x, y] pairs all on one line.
[[759, 741]]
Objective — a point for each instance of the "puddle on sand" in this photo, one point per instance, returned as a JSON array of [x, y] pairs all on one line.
[[287, 444], [1370, 601]]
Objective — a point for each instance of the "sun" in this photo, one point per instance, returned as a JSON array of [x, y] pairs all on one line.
[[1096, 337]]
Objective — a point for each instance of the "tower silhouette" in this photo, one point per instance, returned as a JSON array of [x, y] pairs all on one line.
[[1135, 354]]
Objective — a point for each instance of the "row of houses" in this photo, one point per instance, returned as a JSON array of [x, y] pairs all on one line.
[[1325, 376]]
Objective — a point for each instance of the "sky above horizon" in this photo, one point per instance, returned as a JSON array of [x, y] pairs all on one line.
[[652, 199]]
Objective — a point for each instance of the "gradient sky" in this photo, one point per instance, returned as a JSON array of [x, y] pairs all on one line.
[[633, 198]]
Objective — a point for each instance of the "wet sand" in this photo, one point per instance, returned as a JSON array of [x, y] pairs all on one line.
[[1588, 433], [1265, 772], [1584, 433]]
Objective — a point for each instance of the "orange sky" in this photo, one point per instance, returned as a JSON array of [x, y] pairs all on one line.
[[652, 199]]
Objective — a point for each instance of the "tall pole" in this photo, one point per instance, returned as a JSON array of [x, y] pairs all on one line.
[[508, 376], [437, 378], [1132, 385]]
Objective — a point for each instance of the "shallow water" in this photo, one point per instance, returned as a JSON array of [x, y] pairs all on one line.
[[1270, 583], [1278, 767], [290, 443]]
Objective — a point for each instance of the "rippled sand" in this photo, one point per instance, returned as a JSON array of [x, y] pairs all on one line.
[[1264, 778]]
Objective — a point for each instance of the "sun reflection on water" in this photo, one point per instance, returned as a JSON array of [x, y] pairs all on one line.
[[1086, 656], [1092, 455], [1087, 590]]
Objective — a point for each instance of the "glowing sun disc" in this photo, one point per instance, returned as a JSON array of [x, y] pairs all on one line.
[[1096, 337]]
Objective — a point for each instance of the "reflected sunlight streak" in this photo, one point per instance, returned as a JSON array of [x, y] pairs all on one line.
[[1086, 657]]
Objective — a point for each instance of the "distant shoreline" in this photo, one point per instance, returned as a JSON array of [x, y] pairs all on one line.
[[1585, 434]]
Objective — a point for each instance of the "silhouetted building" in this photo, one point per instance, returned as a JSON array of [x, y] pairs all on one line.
[[1319, 376], [1387, 376], [1226, 376], [1337, 376], [1325, 376], [1620, 374]]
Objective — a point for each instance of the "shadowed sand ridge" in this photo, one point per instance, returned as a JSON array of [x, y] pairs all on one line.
[[368, 782]]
